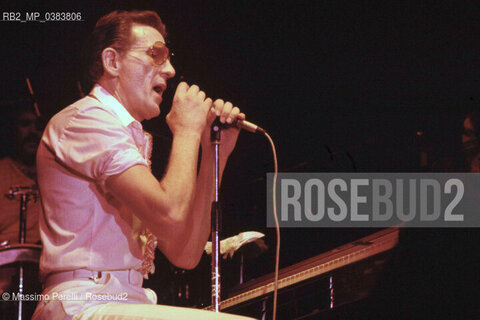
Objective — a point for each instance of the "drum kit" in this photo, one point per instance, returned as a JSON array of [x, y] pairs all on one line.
[[19, 263]]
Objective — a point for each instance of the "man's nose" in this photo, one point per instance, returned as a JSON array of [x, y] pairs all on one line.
[[168, 69]]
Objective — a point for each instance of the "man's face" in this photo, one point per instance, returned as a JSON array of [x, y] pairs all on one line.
[[28, 136], [141, 82]]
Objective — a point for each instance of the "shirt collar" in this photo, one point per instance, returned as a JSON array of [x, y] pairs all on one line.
[[102, 95]]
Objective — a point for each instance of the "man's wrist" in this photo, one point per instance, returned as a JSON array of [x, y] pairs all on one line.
[[187, 134]]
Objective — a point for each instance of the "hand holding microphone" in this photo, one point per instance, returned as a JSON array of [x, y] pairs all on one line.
[[224, 115], [224, 122], [240, 124]]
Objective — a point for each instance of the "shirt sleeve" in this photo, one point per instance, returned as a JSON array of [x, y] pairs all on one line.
[[92, 142]]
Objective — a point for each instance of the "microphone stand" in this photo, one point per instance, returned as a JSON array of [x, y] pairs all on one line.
[[216, 220]]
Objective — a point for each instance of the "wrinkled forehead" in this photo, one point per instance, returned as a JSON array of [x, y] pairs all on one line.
[[145, 36]]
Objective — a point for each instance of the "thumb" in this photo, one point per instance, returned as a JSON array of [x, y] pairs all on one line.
[[211, 116]]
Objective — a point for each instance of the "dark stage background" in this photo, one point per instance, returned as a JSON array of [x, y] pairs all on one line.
[[339, 85]]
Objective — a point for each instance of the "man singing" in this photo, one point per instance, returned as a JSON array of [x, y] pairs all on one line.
[[104, 210]]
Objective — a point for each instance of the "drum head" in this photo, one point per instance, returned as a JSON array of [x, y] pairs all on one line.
[[19, 253], [12, 258]]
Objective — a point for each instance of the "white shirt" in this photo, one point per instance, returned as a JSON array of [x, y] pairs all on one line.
[[83, 226]]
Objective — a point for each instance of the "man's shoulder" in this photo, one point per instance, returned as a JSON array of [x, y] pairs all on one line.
[[79, 117], [86, 105], [85, 108]]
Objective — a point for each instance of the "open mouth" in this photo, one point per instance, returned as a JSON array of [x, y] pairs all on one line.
[[158, 89]]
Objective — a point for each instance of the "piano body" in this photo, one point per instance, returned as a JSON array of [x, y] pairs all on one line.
[[332, 281]]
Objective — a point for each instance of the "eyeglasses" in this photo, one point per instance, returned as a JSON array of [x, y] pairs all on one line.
[[159, 53]]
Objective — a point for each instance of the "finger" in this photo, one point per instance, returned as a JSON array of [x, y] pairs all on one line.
[[233, 115], [208, 103], [202, 95], [218, 106], [193, 90], [211, 115], [227, 108], [181, 88], [206, 106]]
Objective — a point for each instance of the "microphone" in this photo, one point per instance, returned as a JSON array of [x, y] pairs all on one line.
[[240, 124], [246, 125]]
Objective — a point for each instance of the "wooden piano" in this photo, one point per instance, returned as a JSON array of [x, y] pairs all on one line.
[[308, 289]]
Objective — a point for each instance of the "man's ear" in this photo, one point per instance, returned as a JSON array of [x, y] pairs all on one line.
[[111, 61]]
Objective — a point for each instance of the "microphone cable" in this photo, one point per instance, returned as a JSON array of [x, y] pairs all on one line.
[[248, 126], [277, 227]]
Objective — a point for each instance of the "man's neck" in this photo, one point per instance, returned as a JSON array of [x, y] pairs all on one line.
[[112, 86]]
